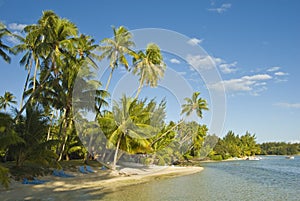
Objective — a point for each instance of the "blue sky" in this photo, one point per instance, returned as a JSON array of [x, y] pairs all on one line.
[[255, 46]]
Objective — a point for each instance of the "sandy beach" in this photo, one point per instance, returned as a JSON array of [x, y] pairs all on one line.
[[92, 185]]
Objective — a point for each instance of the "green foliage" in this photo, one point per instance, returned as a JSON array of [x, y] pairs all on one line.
[[3, 47], [149, 66], [8, 137], [194, 104], [280, 148], [32, 128], [116, 49], [4, 179], [131, 124], [216, 157], [7, 100], [237, 146]]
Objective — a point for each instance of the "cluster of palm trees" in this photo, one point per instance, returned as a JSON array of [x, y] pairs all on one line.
[[55, 56], [232, 145]]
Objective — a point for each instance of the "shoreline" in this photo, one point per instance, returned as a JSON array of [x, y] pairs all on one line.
[[85, 186]]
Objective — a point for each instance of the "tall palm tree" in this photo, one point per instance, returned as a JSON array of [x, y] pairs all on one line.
[[149, 66], [194, 104], [7, 100], [31, 45], [116, 49], [3, 33]]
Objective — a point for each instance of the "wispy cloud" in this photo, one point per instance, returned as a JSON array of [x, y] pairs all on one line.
[[227, 68], [194, 41], [280, 73], [253, 84], [174, 61], [207, 62], [223, 8], [288, 105], [201, 62], [273, 69]]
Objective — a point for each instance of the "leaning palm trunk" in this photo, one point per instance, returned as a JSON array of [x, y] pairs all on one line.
[[116, 154], [165, 133], [109, 79], [140, 87]]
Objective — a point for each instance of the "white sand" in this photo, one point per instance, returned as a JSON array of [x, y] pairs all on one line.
[[85, 186]]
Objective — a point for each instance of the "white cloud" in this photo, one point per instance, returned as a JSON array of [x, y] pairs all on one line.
[[228, 67], [280, 73], [272, 69], [253, 84], [224, 7], [194, 41], [203, 62], [16, 27], [206, 62], [288, 105], [175, 61]]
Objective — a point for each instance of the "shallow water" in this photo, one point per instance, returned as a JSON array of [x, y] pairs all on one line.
[[273, 178]]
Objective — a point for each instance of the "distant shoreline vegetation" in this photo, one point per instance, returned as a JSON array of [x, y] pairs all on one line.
[[232, 146], [280, 148]]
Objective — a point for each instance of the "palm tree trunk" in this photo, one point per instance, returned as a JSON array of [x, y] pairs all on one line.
[[116, 154], [165, 133], [35, 73], [26, 84], [62, 148], [140, 87], [32, 95], [138, 91], [109, 79], [49, 129]]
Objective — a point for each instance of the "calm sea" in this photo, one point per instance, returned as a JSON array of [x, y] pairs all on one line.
[[272, 178]]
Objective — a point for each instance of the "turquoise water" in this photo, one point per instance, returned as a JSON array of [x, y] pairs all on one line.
[[273, 178]]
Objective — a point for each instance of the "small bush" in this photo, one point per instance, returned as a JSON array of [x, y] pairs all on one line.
[[216, 157]]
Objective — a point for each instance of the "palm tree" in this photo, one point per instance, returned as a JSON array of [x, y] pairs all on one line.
[[31, 45], [56, 45], [194, 104], [116, 49], [128, 127], [32, 128], [7, 100], [4, 32], [149, 66]]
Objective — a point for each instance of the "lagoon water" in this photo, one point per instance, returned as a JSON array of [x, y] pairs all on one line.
[[273, 178]]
